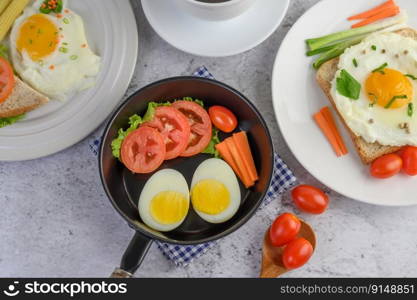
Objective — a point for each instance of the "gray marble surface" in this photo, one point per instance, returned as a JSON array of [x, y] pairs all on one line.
[[56, 221]]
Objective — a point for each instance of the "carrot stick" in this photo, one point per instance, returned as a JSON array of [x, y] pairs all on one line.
[[325, 111], [373, 11], [239, 162], [227, 156], [328, 132], [242, 143], [386, 13]]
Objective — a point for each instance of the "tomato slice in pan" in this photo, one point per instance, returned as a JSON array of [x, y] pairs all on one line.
[[174, 127], [200, 123], [143, 150], [7, 80]]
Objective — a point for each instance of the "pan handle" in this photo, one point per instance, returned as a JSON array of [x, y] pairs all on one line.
[[133, 256]]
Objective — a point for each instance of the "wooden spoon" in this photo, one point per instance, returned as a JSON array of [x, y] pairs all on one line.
[[272, 265]]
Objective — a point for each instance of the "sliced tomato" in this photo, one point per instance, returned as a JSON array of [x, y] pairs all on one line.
[[143, 150], [7, 80], [200, 123], [174, 127]]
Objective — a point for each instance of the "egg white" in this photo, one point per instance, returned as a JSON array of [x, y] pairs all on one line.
[[219, 170], [163, 180], [69, 75], [384, 127]]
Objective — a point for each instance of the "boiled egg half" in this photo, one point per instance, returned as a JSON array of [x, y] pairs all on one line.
[[165, 200], [215, 192]]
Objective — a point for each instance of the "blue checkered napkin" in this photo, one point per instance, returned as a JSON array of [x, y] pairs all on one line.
[[182, 255]]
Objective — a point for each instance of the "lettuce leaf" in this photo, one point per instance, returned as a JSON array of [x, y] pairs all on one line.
[[211, 147], [11, 120], [116, 144], [200, 102], [151, 110]]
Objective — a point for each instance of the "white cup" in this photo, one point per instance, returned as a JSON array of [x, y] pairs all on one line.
[[219, 11]]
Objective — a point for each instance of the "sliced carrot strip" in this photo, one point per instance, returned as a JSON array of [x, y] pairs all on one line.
[[325, 111], [373, 11], [239, 162], [328, 132], [242, 143], [227, 156], [386, 13]]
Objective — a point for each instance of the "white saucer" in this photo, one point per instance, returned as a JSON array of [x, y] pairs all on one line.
[[215, 39]]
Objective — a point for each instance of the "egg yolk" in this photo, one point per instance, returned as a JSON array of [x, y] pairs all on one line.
[[38, 36], [210, 197], [169, 207], [389, 89]]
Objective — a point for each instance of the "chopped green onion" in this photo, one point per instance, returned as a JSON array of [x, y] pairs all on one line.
[[381, 68], [391, 102], [66, 21], [355, 62], [410, 110], [73, 57], [63, 50], [411, 76], [373, 47]]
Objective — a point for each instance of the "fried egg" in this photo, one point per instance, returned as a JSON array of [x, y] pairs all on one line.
[[51, 53], [164, 200], [215, 192], [385, 64]]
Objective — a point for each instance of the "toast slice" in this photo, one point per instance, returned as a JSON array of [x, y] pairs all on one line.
[[368, 152], [23, 99]]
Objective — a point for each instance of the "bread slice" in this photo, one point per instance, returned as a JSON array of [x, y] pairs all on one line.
[[23, 99], [368, 152]]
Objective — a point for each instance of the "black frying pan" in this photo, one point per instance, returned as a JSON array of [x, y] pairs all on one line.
[[123, 188]]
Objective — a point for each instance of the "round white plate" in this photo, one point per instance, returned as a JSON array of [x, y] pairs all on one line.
[[210, 38], [296, 97], [112, 34]]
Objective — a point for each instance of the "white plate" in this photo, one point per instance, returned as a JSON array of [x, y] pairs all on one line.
[[210, 38], [112, 34], [296, 96]]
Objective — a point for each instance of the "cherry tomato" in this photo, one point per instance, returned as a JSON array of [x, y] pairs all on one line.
[[409, 156], [175, 129], [7, 80], [310, 199], [284, 229], [386, 166], [297, 253], [223, 118], [201, 129], [143, 150]]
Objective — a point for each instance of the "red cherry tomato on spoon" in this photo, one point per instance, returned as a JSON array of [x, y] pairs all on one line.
[[297, 253], [284, 229]]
